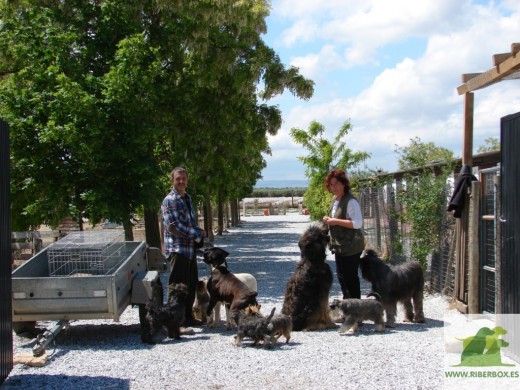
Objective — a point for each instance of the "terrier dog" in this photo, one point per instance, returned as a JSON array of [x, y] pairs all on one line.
[[358, 310], [201, 302], [400, 283], [254, 326], [168, 316], [281, 326], [225, 286], [307, 293]]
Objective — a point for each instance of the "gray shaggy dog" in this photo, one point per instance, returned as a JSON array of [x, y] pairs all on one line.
[[307, 292], [358, 310], [400, 283]]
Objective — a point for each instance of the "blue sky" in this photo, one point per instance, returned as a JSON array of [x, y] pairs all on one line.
[[392, 69]]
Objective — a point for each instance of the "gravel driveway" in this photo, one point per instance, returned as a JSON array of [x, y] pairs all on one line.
[[101, 354]]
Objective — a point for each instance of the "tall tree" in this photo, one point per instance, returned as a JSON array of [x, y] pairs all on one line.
[[323, 156], [105, 97]]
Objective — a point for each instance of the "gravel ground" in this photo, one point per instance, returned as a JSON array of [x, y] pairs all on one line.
[[108, 355]]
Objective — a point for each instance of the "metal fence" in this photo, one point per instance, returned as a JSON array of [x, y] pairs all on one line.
[[386, 232], [390, 236]]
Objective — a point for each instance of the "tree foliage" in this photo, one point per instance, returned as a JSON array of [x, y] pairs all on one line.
[[490, 144], [423, 194], [323, 156], [104, 98], [420, 154]]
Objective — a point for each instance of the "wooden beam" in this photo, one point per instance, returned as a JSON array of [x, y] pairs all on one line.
[[510, 65], [468, 76], [499, 58]]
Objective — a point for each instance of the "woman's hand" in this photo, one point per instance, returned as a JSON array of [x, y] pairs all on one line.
[[328, 220]]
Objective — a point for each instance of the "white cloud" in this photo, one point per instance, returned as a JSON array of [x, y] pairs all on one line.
[[415, 97]]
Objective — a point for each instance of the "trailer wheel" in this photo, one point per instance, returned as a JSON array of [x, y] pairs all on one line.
[[157, 296], [25, 327]]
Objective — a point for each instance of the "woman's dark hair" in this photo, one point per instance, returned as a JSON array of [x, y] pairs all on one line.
[[340, 175]]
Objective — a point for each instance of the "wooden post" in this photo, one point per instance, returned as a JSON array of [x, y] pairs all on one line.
[[473, 250], [467, 146]]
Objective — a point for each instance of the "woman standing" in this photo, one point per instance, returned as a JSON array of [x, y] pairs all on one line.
[[347, 240]]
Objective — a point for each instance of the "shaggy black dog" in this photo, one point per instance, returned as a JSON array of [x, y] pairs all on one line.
[[224, 286], [168, 316], [400, 283], [307, 292]]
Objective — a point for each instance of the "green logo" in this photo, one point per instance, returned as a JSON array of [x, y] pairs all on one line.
[[483, 349]]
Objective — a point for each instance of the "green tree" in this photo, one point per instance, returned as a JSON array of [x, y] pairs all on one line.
[[323, 156], [423, 194], [420, 154], [104, 98], [490, 144]]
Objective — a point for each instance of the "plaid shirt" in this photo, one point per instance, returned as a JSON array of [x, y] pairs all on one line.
[[178, 211]]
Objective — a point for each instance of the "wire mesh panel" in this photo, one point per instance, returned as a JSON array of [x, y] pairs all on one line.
[[87, 253], [488, 240]]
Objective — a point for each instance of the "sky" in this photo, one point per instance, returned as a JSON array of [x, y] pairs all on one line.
[[390, 68]]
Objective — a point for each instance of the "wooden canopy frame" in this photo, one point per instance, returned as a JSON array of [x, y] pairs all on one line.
[[506, 66]]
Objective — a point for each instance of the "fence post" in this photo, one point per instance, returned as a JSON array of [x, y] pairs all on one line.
[[473, 250], [498, 247]]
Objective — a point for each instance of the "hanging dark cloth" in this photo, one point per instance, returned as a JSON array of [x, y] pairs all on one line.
[[458, 198]]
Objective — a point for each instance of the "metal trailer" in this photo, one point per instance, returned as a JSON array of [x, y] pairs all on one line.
[[85, 275]]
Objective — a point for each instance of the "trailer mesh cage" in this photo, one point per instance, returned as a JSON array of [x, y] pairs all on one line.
[[87, 253]]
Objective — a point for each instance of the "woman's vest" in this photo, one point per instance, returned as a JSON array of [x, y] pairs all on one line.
[[344, 241]]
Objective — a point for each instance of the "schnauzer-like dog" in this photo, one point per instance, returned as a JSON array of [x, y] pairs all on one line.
[[254, 326], [307, 293], [359, 310], [281, 326], [169, 316], [400, 283], [224, 286]]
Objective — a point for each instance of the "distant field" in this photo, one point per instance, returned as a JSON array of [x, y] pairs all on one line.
[[282, 184]]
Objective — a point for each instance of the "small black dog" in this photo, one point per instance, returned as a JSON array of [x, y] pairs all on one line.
[[169, 316], [400, 283], [358, 310], [306, 298], [256, 327]]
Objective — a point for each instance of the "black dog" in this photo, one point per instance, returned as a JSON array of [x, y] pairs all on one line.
[[168, 316], [307, 292], [223, 286], [400, 283]]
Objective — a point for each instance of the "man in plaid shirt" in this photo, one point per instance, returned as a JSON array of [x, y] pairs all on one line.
[[180, 235]]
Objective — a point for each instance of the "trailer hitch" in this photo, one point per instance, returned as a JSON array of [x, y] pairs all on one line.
[[45, 338]]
